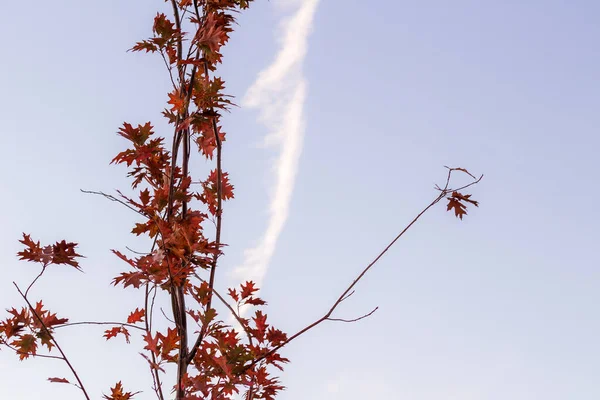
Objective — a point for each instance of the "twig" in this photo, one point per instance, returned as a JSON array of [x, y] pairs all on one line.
[[99, 323], [3, 342], [113, 198], [64, 356], [349, 290], [148, 325], [355, 319], [36, 278]]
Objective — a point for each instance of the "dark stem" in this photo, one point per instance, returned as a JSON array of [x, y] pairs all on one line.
[[153, 371], [213, 267]]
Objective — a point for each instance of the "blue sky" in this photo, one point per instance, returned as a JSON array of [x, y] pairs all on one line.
[[500, 305]]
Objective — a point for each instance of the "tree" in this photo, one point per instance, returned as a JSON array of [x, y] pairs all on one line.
[[213, 360]]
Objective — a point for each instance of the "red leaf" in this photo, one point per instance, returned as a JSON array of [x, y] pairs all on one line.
[[176, 100], [64, 253], [260, 320], [26, 345], [455, 202], [233, 294], [58, 380], [152, 343], [33, 252], [111, 333], [145, 197], [118, 394], [136, 316], [129, 279], [248, 289]]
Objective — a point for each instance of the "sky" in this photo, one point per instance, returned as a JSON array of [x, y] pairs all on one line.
[[349, 112]]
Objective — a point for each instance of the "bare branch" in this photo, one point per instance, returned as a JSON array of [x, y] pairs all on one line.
[[349, 290], [99, 323], [36, 278], [355, 319]]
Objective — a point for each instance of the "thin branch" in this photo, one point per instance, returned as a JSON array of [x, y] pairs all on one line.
[[355, 319], [3, 342], [99, 323], [113, 198], [348, 295], [36, 278], [64, 356], [147, 323], [167, 318], [350, 288]]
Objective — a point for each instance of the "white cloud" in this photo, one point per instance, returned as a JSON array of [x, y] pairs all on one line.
[[279, 93]]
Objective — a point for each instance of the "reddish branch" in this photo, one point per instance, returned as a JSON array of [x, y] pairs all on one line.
[[62, 353], [349, 290]]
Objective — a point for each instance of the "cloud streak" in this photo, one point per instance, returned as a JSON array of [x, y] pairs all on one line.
[[279, 93]]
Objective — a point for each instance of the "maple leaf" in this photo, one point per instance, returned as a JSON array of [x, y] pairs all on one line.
[[113, 332], [33, 252], [152, 343], [145, 45], [233, 294], [59, 380], [455, 202], [459, 208], [168, 342], [11, 327], [260, 320], [145, 197], [255, 301], [248, 289], [118, 394], [26, 345], [176, 100], [129, 279], [212, 34], [276, 337], [163, 27], [64, 253], [465, 197], [136, 316]]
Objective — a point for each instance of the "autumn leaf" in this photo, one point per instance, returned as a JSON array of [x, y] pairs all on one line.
[[276, 337], [169, 342], [465, 197], [247, 289], [136, 316], [58, 380], [27, 346], [152, 344], [233, 294], [33, 251], [260, 320], [113, 332], [117, 393], [176, 101], [455, 203], [129, 279]]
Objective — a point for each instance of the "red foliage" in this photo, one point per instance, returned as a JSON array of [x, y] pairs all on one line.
[[214, 362]]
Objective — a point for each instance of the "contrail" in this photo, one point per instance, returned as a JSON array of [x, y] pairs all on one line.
[[279, 93]]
